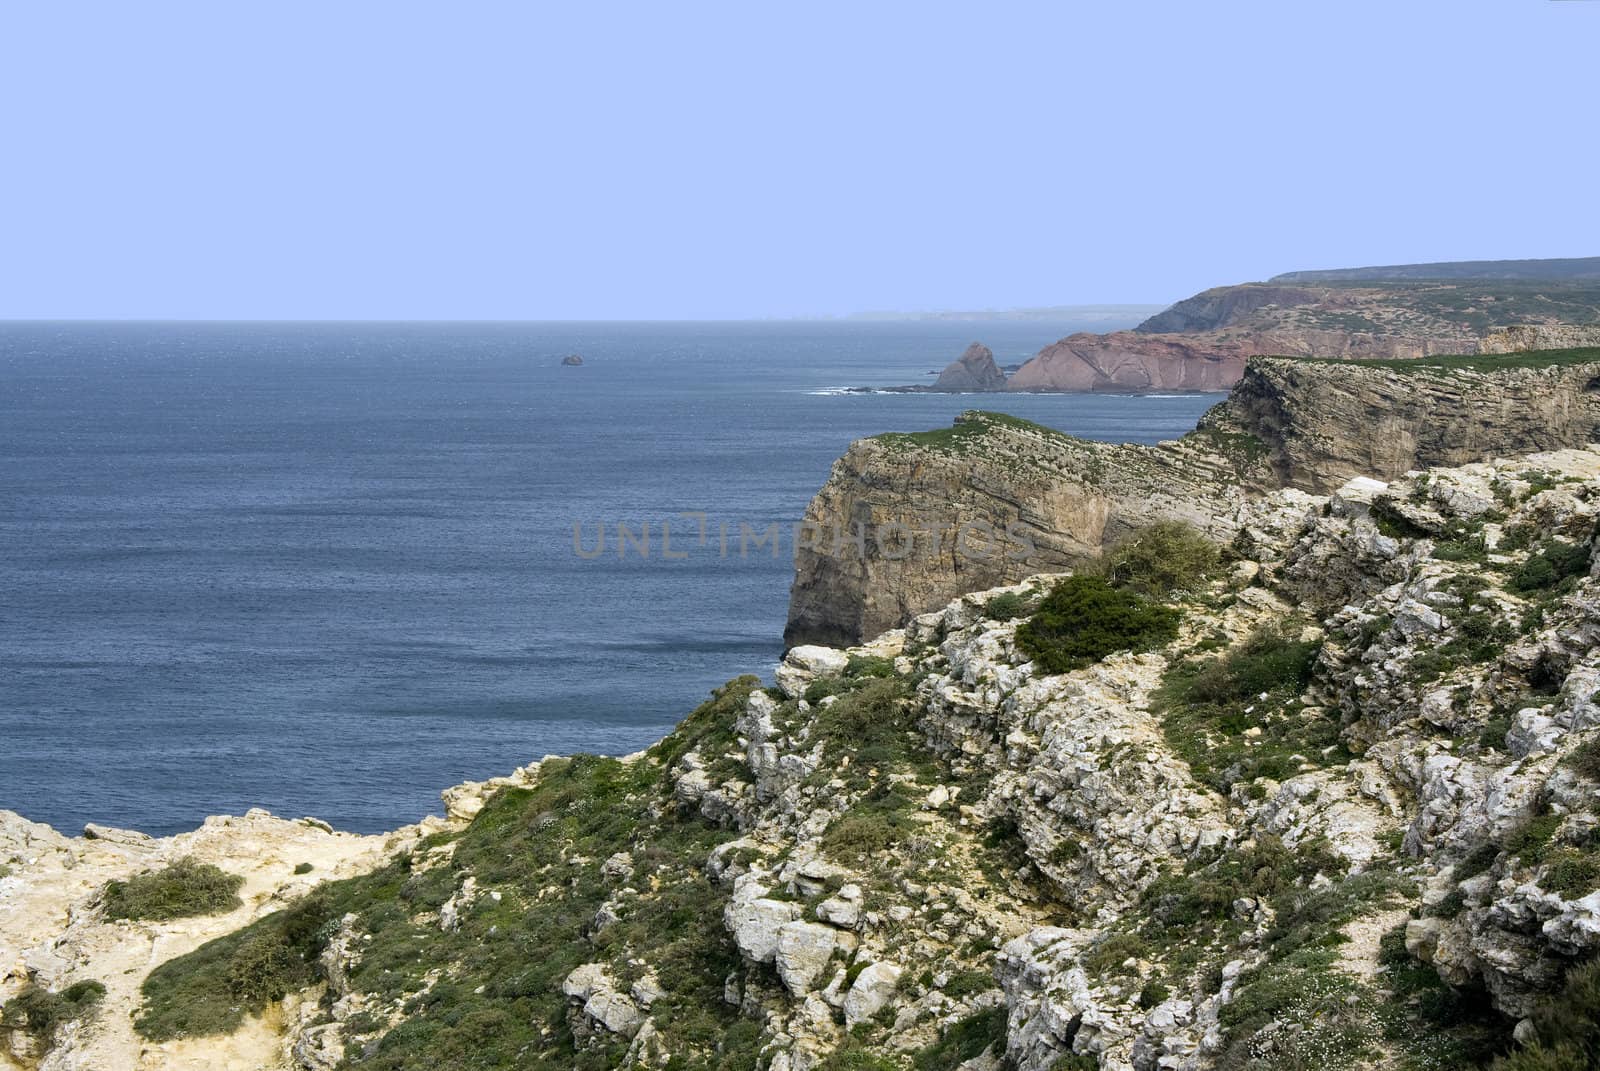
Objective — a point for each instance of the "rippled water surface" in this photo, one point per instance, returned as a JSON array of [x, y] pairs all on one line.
[[328, 568]]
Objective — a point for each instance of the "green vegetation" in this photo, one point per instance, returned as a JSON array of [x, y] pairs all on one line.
[[1164, 558], [1085, 618], [1571, 872], [1481, 634], [185, 888], [489, 994], [38, 1012], [1554, 564], [1238, 716], [1532, 838], [212, 989], [969, 1038], [1108, 957], [1008, 607], [1470, 362], [1441, 1028], [965, 433], [1585, 759], [1568, 1027]]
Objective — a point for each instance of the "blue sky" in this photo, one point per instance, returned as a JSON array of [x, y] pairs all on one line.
[[696, 160]]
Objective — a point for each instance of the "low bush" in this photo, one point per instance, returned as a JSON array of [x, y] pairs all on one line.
[[211, 990], [965, 1040], [1109, 955], [187, 887], [1585, 759], [1085, 618], [1163, 558], [880, 821], [1571, 873], [1530, 840], [39, 1012], [1008, 606], [869, 666], [1208, 706], [1269, 660], [1553, 563]]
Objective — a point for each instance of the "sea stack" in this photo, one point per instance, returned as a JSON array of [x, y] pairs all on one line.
[[572, 360], [974, 370]]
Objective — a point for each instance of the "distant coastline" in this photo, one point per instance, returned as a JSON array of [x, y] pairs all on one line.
[[1101, 315]]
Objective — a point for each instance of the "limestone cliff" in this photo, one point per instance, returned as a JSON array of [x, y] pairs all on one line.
[[1338, 811], [1324, 422], [905, 523], [1297, 423]]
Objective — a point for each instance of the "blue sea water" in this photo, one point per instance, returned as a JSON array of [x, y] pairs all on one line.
[[329, 569]]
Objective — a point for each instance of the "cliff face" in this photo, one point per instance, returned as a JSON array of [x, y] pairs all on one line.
[[1340, 814], [1223, 306], [1323, 422], [1127, 360], [989, 501], [1307, 424], [1201, 343]]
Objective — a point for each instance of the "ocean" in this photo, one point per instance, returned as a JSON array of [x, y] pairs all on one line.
[[330, 569]]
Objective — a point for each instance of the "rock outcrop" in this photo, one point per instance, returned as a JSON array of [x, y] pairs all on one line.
[[905, 523], [973, 370], [1322, 423]]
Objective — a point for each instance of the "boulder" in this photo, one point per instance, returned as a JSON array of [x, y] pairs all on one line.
[[802, 953], [873, 989]]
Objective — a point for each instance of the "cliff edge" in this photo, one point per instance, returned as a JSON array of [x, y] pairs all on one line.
[[1310, 424]]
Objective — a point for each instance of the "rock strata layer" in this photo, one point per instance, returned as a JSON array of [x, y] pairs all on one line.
[[1051, 501]]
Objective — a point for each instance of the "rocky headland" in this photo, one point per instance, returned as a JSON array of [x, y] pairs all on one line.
[[1396, 313], [1304, 423], [1323, 795]]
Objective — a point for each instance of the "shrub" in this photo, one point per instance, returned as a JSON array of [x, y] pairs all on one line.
[[1165, 557], [1531, 839], [967, 983], [1571, 873], [1084, 619], [1007, 607], [879, 822], [1554, 562], [1477, 861], [1585, 759], [869, 722], [1208, 705], [1267, 661], [39, 1012], [187, 887], [869, 666], [1152, 994], [965, 1040], [211, 990], [1110, 954], [303, 868]]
